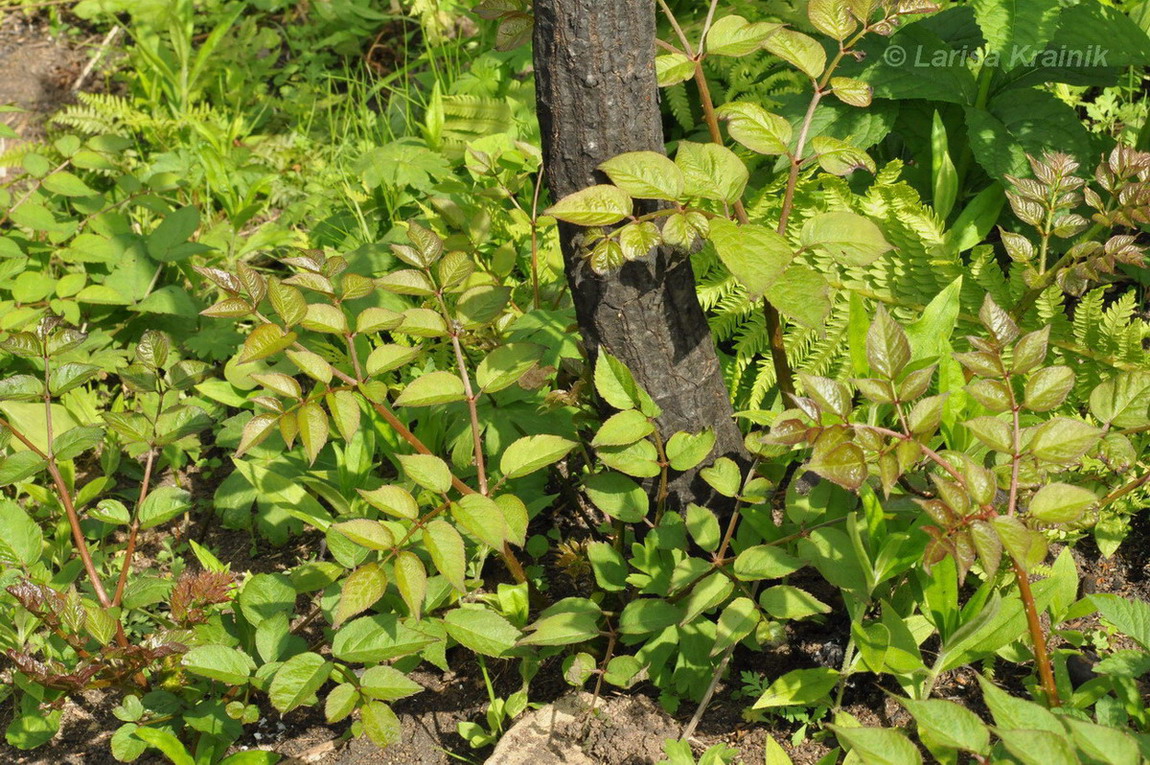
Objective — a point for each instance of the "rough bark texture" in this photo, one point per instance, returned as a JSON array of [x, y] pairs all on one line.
[[598, 97]]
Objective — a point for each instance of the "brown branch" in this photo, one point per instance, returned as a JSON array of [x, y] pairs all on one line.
[[130, 550]]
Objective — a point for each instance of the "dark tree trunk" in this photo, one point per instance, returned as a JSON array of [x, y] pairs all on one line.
[[598, 97]]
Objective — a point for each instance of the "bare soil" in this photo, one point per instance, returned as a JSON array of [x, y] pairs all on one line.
[[37, 72]]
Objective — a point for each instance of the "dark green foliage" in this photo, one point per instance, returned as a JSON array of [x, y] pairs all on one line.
[[315, 295]]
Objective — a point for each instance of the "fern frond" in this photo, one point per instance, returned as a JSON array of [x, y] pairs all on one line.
[[679, 102], [1094, 339]]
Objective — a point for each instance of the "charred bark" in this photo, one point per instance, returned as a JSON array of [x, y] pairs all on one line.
[[598, 97]]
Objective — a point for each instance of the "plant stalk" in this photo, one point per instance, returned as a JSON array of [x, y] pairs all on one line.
[[133, 533], [1037, 636], [784, 375]]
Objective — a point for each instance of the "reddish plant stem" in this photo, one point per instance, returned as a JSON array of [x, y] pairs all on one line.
[[473, 410], [1041, 656], [514, 566], [797, 163], [78, 540], [133, 533], [535, 240], [934, 456], [784, 375]]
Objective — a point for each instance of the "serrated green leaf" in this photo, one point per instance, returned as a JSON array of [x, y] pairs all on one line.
[[645, 175], [446, 548], [754, 254], [756, 128], [387, 358], [1062, 440], [799, 50], [623, 428], [949, 724], [686, 450], [803, 294], [387, 684], [832, 18], [735, 36], [483, 518], [228, 665], [162, 505], [297, 680], [799, 686], [427, 470], [839, 157], [711, 171], [647, 615], [380, 724], [359, 592], [313, 429], [879, 746], [481, 630], [530, 453], [601, 205], [432, 388], [618, 496], [848, 237], [703, 526], [1061, 503]]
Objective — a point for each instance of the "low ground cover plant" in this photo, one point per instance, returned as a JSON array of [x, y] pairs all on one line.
[[924, 286]]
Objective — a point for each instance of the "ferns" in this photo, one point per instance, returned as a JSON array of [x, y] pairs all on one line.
[[96, 113], [679, 102], [466, 118], [103, 113], [758, 78], [1092, 337]]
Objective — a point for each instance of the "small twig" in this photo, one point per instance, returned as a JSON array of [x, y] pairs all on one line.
[[109, 40], [689, 730], [535, 238], [133, 533], [1123, 490], [707, 26], [473, 411], [607, 656], [678, 29]]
